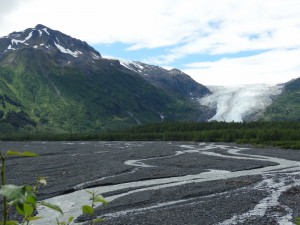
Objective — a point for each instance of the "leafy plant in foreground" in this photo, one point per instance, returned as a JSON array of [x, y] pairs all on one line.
[[22, 198], [90, 209]]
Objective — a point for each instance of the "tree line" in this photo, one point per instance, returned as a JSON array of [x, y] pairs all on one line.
[[283, 134]]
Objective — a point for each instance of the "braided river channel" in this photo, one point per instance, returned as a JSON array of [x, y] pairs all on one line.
[[184, 183]]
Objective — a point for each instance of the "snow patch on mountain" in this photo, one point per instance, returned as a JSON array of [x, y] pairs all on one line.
[[95, 56], [126, 64], [235, 103], [131, 65], [15, 41], [67, 51], [138, 65], [45, 29], [11, 48]]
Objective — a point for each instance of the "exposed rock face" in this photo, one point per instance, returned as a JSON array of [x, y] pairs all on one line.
[[51, 42], [173, 81]]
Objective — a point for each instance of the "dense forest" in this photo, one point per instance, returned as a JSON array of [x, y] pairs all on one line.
[[282, 134]]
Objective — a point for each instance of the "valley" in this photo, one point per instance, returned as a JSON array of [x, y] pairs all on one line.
[[53, 83], [164, 182], [177, 112]]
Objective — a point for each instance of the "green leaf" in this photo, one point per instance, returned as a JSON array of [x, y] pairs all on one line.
[[10, 222], [86, 209], [30, 198], [99, 198], [34, 218], [92, 193], [25, 209], [20, 210], [51, 206], [18, 194], [98, 220], [23, 154], [71, 218], [28, 209]]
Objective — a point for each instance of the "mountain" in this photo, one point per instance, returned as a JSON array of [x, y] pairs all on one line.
[[50, 81], [286, 106], [173, 81], [51, 42]]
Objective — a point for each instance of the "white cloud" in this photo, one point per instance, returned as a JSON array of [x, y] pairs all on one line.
[[142, 23], [6, 8], [157, 23], [274, 24], [182, 27], [271, 67]]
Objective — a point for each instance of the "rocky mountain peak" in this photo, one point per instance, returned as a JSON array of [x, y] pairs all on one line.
[[40, 27], [50, 41], [175, 71]]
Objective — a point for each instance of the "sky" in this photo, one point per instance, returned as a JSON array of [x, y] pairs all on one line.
[[216, 42]]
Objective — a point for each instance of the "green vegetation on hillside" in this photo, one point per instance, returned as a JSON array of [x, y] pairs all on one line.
[[287, 105], [38, 93]]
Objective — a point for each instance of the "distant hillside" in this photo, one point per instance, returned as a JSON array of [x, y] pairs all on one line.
[[174, 81], [52, 82], [286, 106]]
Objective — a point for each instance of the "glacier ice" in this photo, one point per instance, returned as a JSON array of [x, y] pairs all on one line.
[[235, 103]]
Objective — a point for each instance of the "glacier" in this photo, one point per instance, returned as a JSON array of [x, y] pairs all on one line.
[[240, 103]]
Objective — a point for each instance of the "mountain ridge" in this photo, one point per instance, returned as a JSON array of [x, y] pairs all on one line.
[[51, 81], [173, 81]]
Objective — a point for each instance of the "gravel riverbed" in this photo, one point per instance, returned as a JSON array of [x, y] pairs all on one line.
[[164, 182]]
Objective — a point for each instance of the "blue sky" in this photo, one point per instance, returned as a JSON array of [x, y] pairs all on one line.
[[216, 42], [122, 51]]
